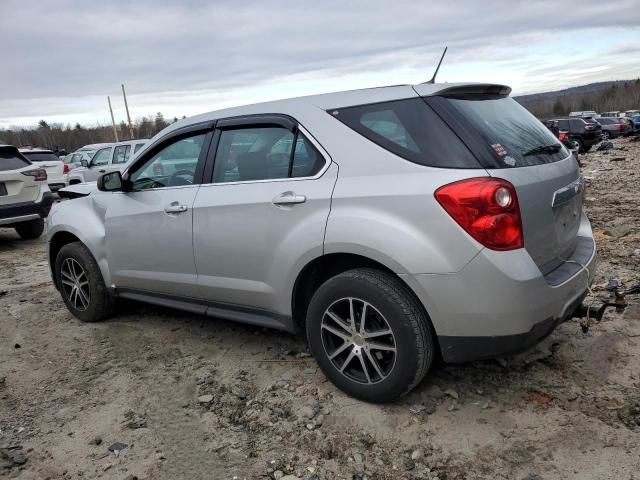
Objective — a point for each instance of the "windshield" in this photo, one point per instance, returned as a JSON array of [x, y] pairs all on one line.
[[516, 138], [41, 156]]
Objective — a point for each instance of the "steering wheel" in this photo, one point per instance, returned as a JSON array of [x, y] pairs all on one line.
[[175, 179]]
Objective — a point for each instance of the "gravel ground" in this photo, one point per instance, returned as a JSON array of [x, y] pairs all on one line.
[[198, 398]]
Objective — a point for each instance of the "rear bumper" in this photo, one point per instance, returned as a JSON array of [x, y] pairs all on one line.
[[501, 303], [22, 212]]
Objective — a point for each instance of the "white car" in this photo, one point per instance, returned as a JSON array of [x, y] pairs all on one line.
[[55, 168], [25, 198], [114, 156]]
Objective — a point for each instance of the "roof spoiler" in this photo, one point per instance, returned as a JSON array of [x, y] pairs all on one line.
[[475, 89]]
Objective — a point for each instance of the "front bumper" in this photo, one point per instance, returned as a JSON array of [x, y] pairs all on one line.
[[501, 303], [22, 212]]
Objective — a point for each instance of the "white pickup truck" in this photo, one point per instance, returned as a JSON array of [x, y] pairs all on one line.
[[107, 159]]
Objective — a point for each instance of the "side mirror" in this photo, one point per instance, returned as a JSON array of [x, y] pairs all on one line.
[[84, 163], [110, 182]]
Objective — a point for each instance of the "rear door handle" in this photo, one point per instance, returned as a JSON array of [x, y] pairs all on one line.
[[174, 207], [101, 171], [288, 198]]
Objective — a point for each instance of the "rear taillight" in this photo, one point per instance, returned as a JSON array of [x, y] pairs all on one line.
[[563, 137], [66, 168], [588, 127], [619, 126], [38, 174], [487, 209]]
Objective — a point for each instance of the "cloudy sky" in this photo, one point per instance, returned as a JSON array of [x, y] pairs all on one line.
[[60, 59]]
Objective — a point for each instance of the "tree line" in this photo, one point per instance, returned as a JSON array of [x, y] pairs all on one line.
[[70, 138], [617, 97]]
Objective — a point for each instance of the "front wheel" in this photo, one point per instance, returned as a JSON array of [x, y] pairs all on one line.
[[81, 285], [606, 135], [31, 229], [370, 335]]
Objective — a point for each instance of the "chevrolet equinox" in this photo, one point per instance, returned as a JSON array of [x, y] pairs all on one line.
[[394, 225]]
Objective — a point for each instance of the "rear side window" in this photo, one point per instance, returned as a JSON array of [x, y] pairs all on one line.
[[138, 147], [410, 129], [41, 156], [10, 159], [264, 153], [121, 154]]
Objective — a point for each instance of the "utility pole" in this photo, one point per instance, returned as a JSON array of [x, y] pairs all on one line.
[[113, 122], [126, 107]]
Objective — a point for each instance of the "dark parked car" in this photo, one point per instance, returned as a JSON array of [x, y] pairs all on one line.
[[583, 134], [613, 127]]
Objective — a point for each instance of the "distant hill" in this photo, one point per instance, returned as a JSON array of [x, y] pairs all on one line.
[[601, 97], [590, 87]]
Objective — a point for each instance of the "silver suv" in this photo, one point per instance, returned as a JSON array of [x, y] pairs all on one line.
[[393, 225]]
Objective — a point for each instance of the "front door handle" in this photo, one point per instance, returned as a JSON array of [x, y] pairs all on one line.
[[175, 207], [288, 198], [102, 171]]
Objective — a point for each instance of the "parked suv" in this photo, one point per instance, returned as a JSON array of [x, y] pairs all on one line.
[[613, 127], [583, 134], [393, 225], [25, 198], [106, 159], [55, 168]]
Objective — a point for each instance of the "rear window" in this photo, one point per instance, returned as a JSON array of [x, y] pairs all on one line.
[[11, 159], [41, 156], [410, 129]]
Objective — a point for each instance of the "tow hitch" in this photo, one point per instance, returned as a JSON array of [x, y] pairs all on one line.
[[616, 300]]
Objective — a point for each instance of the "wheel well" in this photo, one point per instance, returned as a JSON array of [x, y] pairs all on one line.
[[58, 241], [319, 271]]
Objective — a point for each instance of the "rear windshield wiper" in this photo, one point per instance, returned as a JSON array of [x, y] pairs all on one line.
[[553, 148]]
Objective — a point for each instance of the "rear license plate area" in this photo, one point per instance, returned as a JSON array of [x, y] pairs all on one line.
[[3, 190]]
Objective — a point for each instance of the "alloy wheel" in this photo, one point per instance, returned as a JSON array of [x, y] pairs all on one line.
[[75, 284], [358, 340]]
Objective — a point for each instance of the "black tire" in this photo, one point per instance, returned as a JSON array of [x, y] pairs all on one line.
[[577, 144], [31, 229], [100, 303], [606, 135], [412, 333]]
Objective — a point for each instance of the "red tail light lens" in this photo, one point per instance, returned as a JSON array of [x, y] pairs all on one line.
[[38, 174], [66, 168], [487, 209], [563, 137]]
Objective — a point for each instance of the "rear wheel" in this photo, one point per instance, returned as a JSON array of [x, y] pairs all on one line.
[[606, 135], [81, 285], [31, 229], [370, 335], [577, 144]]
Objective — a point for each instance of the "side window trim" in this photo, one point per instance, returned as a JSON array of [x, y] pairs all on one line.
[[172, 137], [259, 120], [254, 120]]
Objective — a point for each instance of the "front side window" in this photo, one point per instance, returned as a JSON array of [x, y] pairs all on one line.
[[174, 165], [101, 157], [264, 153], [121, 153]]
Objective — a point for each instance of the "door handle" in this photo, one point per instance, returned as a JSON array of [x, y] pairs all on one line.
[[288, 198], [174, 207], [102, 171]]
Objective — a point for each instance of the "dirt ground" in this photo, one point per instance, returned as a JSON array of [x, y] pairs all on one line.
[[199, 398]]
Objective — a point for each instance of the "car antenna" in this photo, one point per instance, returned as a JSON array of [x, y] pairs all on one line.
[[433, 79]]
